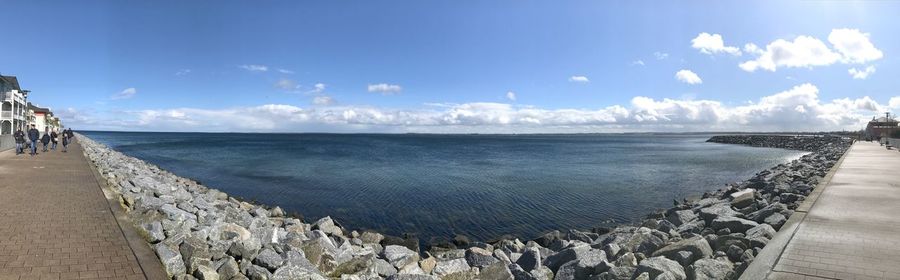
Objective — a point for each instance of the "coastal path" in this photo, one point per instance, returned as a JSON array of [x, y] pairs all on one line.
[[849, 228], [57, 223]]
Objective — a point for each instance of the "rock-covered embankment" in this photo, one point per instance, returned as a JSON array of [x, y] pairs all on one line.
[[202, 233]]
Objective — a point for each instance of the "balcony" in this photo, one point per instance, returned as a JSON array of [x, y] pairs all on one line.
[[5, 115]]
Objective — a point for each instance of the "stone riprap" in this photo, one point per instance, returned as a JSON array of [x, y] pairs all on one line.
[[202, 233]]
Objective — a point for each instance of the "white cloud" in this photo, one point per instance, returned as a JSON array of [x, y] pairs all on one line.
[[124, 94], [850, 47], [795, 109], [255, 68], [688, 77], [318, 88], [287, 84], [638, 62], [183, 72], [579, 79], [511, 95], [894, 102], [323, 100], [385, 89], [713, 44], [861, 74], [284, 71], [854, 46], [660, 55]]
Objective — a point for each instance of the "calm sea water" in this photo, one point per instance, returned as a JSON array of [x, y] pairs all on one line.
[[440, 185]]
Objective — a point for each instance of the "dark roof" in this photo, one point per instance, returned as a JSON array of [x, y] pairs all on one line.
[[37, 109], [11, 80]]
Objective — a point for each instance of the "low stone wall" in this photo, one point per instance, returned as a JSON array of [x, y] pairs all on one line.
[[203, 233]]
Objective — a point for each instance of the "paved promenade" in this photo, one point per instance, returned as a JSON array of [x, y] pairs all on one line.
[[56, 223], [852, 231]]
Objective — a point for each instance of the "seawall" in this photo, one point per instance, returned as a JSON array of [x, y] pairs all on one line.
[[203, 232]]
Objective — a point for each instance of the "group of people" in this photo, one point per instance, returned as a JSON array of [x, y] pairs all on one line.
[[48, 138]]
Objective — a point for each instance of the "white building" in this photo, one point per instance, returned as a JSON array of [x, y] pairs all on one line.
[[13, 105], [43, 118]]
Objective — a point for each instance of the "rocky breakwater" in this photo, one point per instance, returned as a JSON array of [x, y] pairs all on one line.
[[203, 233]]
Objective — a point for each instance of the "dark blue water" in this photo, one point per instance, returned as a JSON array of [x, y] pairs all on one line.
[[439, 185]]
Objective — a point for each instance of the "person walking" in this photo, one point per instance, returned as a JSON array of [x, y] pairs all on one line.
[[65, 142], [20, 141], [54, 138], [33, 136], [45, 139]]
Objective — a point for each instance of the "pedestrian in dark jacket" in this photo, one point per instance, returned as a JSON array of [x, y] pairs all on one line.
[[45, 139], [33, 135], [65, 143], [54, 138], [20, 141]]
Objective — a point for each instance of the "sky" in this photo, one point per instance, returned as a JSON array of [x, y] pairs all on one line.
[[456, 66]]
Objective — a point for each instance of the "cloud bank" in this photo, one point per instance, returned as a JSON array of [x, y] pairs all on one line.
[[795, 109], [850, 46]]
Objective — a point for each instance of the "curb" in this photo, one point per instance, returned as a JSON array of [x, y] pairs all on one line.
[[764, 263], [146, 257]]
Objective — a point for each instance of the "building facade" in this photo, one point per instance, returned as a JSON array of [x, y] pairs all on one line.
[[43, 118], [13, 105], [881, 127]]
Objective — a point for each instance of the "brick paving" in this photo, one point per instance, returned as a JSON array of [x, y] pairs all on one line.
[[853, 229], [55, 222]]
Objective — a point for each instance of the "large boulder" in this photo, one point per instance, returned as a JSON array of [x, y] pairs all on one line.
[[296, 272], [446, 267], [530, 259], [327, 225], [479, 257], [697, 246], [743, 198], [400, 256], [681, 217], [713, 212], [584, 266], [711, 269], [497, 270], [657, 266], [734, 224], [562, 257], [171, 260], [268, 258]]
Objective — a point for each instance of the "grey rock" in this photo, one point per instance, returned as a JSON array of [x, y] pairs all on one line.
[[228, 269], [206, 273], [400, 256], [734, 253], [292, 272], [698, 246], [621, 272], [776, 220], [154, 232], [612, 250], [733, 223], [257, 273], [695, 226], [657, 266], [371, 237], [681, 217], [247, 248], [743, 198], [715, 211], [711, 269], [171, 260], [445, 267], [584, 266], [479, 257], [497, 270], [760, 235], [384, 268], [268, 258], [195, 253], [277, 212], [530, 259], [412, 277], [327, 225]]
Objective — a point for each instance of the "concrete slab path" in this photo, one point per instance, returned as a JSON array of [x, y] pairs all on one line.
[[852, 231], [56, 222]]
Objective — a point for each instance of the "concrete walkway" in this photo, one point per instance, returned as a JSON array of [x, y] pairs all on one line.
[[852, 231], [56, 222]]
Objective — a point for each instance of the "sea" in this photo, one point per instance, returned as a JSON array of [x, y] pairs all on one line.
[[437, 185]]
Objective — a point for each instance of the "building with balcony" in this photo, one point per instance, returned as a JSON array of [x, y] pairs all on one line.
[[882, 127], [42, 118], [13, 105]]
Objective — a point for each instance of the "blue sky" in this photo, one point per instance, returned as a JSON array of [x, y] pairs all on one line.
[[449, 66]]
